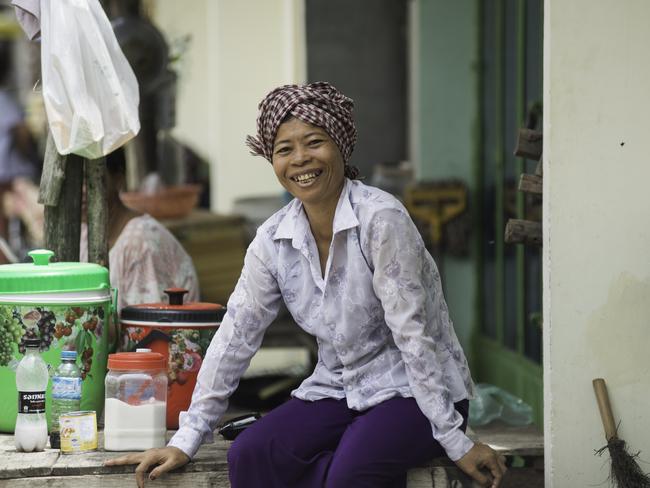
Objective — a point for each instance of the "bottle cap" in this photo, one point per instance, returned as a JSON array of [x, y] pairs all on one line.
[[69, 355], [32, 342]]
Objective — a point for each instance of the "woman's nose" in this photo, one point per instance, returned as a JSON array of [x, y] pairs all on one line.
[[300, 156]]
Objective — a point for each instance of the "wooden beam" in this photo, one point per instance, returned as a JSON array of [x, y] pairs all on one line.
[[63, 219], [523, 232], [96, 181], [529, 144], [530, 184], [53, 174]]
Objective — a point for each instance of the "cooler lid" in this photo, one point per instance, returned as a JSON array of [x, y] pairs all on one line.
[[176, 311], [41, 276]]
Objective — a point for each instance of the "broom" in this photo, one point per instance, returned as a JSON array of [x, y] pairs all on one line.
[[625, 472]]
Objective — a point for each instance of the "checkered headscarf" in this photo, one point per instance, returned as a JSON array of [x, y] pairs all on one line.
[[318, 104]]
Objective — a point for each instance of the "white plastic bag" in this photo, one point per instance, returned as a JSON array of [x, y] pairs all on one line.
[[90, 92], [493, 403]]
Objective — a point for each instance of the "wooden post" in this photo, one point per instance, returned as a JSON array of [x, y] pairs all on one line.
[[53, 174], [96, 180], [62, 210]]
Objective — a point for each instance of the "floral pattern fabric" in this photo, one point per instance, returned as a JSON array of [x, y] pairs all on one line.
[[378, 315], [145, 260]]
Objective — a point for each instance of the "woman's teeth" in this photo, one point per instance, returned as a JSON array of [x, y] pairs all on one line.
[[306, 178]]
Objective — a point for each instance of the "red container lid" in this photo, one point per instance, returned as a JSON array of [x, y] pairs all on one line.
[[175, 312], [135, 361]]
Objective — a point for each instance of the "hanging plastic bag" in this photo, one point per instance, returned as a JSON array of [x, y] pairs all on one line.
[[90, 92], [492, 403]]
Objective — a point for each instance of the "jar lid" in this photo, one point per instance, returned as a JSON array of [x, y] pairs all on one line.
[[174, 312], [134, 361], [41, 276]]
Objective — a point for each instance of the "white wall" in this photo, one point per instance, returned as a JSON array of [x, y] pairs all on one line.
[[596, 231], [240, 51]]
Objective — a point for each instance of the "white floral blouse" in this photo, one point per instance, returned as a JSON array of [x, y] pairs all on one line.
[[379, 317]]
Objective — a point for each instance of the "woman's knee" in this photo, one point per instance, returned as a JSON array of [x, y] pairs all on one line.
[[362, 473], [339, 478], [245, 448], [345, 475]]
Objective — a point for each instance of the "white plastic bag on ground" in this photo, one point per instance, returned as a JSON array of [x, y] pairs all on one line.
[[90, 92], [493, 403]]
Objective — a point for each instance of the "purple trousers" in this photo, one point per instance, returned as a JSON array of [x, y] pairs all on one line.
[[324, 444]]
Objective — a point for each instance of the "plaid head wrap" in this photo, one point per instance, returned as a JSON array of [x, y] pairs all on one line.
[[318, 104]]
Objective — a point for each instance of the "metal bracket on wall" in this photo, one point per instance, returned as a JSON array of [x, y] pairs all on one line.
[[436, 204]]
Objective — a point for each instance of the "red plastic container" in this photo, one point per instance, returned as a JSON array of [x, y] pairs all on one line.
[[181, 332]]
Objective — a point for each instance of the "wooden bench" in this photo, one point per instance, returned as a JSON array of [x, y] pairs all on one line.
[[522, 446], [52, 469]]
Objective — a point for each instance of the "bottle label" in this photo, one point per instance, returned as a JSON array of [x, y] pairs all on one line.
[[65, 388], [31, 402]]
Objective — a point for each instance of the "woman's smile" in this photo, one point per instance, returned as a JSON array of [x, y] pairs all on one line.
[[308, 178]]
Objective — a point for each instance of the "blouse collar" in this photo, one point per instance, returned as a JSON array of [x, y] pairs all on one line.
[[295, 226]]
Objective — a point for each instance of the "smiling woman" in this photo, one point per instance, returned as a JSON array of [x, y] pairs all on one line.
[[391, 386]]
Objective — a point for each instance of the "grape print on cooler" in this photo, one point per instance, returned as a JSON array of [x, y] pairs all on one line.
[[65, 328], [83, 329]]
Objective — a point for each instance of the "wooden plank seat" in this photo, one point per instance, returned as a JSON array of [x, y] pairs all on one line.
[[522, 446], [209, 469]]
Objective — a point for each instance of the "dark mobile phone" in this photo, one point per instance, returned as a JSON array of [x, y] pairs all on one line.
[[236, 426]]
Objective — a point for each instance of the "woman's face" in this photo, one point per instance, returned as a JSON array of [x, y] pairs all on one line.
[[308, 162]]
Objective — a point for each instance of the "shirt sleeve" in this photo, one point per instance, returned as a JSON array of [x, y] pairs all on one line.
[[407, 283], [251, 308]]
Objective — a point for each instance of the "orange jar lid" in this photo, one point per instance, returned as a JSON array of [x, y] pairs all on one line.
[[134, 361]]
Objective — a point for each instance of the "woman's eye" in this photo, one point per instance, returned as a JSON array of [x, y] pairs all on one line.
[[315, 142], [282, 150]]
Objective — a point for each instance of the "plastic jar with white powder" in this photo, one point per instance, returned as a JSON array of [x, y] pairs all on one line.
[[136, 401]]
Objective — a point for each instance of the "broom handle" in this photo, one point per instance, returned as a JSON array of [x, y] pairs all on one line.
[[605, 408]]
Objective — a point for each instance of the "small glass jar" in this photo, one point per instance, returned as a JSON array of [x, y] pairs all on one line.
[[136, 401]]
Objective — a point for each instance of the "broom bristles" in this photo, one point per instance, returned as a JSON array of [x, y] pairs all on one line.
[[625, 472]]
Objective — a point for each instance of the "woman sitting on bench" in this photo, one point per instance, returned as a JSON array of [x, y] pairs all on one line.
[[391, 386]]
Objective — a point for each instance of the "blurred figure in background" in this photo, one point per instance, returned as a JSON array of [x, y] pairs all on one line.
[[144, 257], [17, 148]]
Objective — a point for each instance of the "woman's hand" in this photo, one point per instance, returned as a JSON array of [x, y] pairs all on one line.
[[483, 456], [165, 458]]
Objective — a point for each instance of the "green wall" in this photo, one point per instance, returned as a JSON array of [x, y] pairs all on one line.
[[447, 116]]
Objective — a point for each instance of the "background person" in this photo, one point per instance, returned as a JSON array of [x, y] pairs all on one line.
[[17, 147], [144, 257]]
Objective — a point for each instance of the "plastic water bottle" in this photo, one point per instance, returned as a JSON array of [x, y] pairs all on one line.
[[66, 393], [31, 383]]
